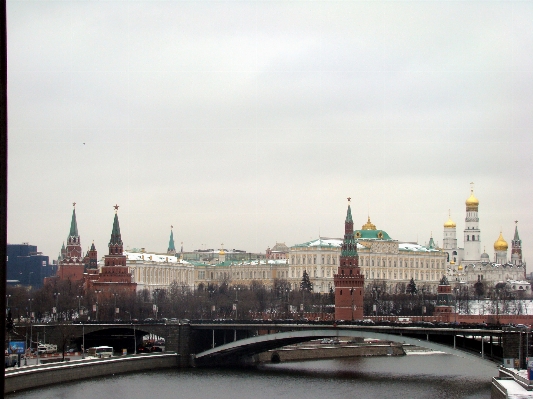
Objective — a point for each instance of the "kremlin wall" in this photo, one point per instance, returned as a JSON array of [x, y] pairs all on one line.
[[366, 257]]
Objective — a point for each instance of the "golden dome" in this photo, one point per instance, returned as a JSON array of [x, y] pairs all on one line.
[[452, 262], [472, 202], [368, 225], [460, 267], [501, 244], [450, 223]]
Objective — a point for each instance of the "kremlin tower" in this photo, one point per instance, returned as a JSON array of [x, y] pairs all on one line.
[[516, 252], [71, 263], [171, 247], [114, 275], [349, 281]]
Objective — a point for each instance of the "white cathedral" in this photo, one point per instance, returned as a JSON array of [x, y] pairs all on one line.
[[468, 265]]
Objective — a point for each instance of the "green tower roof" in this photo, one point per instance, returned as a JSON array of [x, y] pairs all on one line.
[[73, 225], [171, 246], [349, 215], [116, 239]]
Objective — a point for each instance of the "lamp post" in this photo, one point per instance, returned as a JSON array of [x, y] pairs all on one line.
[[97, 304], [56, 294], [423, 304], [376, 291], [351, 294], [455, 303], [156, 294], [30, 300], [83, 341], [237, 289], [115, 308], [79, 297]]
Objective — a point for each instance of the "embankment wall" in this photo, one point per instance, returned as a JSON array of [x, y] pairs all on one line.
[[37, 376]]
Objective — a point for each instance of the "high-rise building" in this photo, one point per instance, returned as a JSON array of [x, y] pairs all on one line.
[[26, 266]]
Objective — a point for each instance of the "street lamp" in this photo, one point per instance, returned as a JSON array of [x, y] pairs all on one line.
[[156, 292], [115, 308], [97, 305], [79, 299], [351, 294], [56, 294], [30, 300], [237, 289], [376, 291], [423, 304], [7, 302]]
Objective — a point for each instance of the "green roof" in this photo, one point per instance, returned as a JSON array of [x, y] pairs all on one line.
[[349, 215], [73, 225], [372, 235], [171, 246], [116, 239]]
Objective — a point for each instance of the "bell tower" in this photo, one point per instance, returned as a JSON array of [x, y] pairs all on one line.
[[472, 242], [349, 282]]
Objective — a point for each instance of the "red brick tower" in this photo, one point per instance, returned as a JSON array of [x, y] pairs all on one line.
[[445, 301], [114, 276], [349, 282], [71, 265]]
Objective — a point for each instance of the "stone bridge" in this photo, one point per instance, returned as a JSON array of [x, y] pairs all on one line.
[[217, 343]]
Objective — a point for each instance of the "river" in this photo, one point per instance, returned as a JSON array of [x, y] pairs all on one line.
[[436, 376]]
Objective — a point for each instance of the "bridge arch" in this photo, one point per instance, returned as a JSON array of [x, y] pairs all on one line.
[[248, 347]]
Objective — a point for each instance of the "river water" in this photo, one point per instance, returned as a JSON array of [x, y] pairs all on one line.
[[436, 376]]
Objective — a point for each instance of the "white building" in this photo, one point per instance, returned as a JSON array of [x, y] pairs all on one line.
[[382, 261], [468, 265], [151, 270]]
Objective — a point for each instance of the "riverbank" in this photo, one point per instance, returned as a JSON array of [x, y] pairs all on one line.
[[28, 377]]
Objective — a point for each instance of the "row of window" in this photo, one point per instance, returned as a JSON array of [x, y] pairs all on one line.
[[402, 276], [402, 263], [472, 237], [311, 260]]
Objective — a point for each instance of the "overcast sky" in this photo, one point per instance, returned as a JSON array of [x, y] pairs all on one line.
[[249, 123]]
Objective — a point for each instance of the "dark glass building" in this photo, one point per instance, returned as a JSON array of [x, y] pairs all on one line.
[[26, 266]]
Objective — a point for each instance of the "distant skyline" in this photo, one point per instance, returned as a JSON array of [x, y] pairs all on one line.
[[250, 123]]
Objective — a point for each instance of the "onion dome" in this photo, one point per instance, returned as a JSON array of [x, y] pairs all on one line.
[[368, 225], [460, 267], [452, 262], [485, 257], [501, 244], [450, 224], [472, 203]]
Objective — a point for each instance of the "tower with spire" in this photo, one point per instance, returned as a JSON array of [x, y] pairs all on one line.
[[516, 245], [472, 237], [171, 247], [114, 275], [349, 281], [71, 262], [73, 249]]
